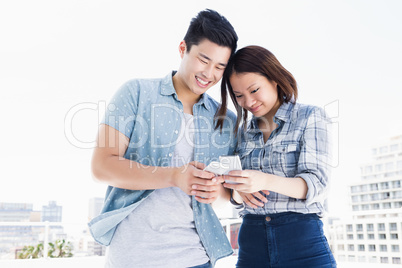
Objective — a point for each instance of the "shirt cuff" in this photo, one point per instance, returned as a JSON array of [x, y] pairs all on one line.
[[312, 191]]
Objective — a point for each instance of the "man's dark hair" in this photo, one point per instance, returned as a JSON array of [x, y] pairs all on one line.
[[209, 24]]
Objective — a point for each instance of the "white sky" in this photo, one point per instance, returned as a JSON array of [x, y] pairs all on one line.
[[55, 55]]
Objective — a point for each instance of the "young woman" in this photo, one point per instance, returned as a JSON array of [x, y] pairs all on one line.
[[285, 154]]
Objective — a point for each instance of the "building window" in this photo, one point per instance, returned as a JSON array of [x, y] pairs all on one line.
[[370, 227], [355, 208], [374, 197], [381, 227], [364, 187], [350, 237], [361, 248], [399, 164], [389, 166], [349, 228], [359, 227], [341, 247], [371, 248], [395, 248], [387, 205], [394, 147], [384, 185], [396, 260], [383, 248], [385, 195], [382, 236], [394, 236], [361, 258], [368, 169], [374, 186], [378, 168], [351, 258], [355, 189], [375, 206], [351, 247], [370, 236], [383, 149], [384, 259], [392, 226], [360, 236]]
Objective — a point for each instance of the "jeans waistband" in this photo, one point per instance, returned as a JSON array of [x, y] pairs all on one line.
[[278, 218]]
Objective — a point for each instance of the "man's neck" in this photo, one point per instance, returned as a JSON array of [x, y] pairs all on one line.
[[187, 98]]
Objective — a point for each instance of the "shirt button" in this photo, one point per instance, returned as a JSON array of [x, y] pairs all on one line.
[[170, 154], [176, 131], [267, 218]]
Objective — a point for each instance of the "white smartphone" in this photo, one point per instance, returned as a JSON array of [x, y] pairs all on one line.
[[226, 163]]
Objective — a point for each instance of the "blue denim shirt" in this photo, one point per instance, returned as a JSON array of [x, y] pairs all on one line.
[[299, 147], [149, 113]]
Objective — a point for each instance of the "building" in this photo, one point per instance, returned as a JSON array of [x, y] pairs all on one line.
[[87, 243], [14, 235], [373, 234], [52, 212], [15, 212], [94, 207]]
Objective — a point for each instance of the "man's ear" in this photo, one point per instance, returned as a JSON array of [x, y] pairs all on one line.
[[182, 48]]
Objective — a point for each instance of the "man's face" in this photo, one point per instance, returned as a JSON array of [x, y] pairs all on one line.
[[202, 66]]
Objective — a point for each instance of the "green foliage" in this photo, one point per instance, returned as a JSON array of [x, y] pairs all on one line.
[[59, 249], [31, 252]]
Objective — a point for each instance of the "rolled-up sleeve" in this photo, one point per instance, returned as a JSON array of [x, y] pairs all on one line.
[[315, 156]]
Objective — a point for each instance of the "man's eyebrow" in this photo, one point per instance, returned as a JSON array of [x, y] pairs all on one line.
[[207, 58]]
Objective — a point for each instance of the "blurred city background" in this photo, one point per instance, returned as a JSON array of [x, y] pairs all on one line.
[[61, 62]]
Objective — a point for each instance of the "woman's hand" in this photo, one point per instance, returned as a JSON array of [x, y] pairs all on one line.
[[247, 181], [254, 200]]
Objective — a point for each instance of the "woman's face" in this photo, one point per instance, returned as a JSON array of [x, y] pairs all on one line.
[[255, 93]]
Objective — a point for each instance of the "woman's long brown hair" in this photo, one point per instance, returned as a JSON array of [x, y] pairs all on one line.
[[254, 59]]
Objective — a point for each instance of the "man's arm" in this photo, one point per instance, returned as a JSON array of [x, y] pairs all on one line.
[[109, 166]]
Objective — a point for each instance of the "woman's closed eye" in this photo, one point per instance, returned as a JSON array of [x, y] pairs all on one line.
[[255, 90]]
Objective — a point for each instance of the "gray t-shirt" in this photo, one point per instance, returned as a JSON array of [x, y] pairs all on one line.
[[161, 231]]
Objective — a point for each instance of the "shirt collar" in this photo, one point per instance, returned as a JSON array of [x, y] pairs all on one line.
[[282, 115], [167, 89]]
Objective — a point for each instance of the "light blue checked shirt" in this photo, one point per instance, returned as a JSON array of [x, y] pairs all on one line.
[[298, 147]]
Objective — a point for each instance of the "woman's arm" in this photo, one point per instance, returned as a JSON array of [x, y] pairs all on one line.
[[311, 181], [251, 181]]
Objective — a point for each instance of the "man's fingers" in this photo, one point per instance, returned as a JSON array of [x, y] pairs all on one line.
[[199, 187], [198, 165], [204, 200], [203, 174]]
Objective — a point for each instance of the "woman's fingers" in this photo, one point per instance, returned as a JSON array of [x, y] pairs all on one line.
[[252, 201]]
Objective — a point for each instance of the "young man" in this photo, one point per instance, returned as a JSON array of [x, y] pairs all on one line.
[[153, 144]]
